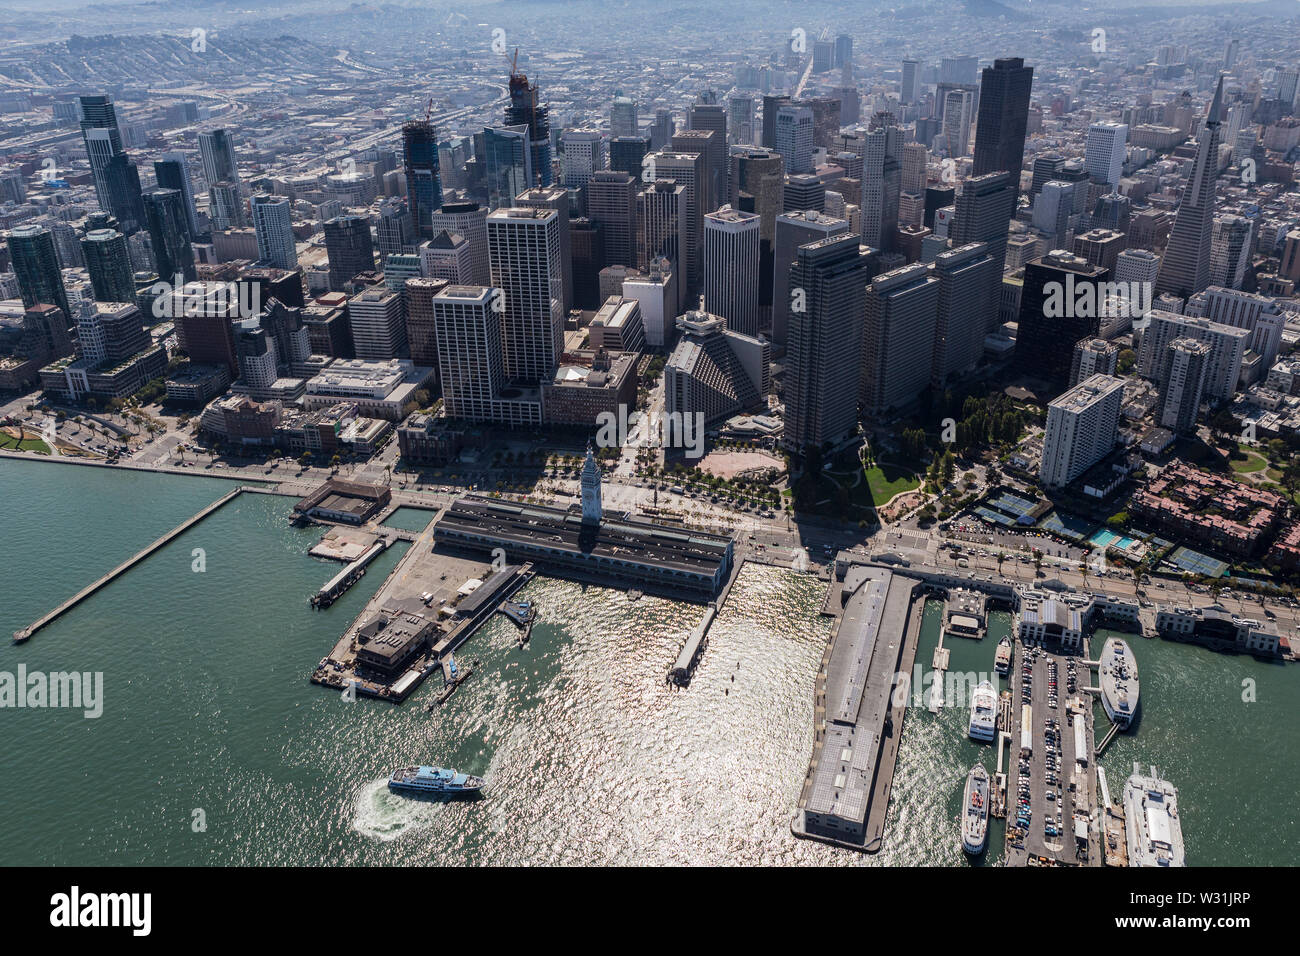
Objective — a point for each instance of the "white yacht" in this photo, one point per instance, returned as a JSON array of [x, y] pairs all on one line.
[[984, 712]]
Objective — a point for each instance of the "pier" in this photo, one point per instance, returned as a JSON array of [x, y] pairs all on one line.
[[127, 565], [338, 585]]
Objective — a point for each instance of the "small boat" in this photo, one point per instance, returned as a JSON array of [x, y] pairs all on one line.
[[975, 811], [983, 712], [1002, 660]]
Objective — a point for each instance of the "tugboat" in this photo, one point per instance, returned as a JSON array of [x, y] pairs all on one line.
[[975, 812], [433, 780]]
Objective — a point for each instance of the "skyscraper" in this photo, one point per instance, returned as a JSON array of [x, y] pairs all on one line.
[[626, 154], [273, 226], [117, 181], [557, 198], [379, 324], [217, 153], [792, 231], [969, 292], [508, 163], [898, 334], [584, 153], [526, 109], [910, 89], [1082, 425], [1183, 385], [611, 201], [793, 138], [1059, 305], [172, 172], [1185, 268], [467, 333], [661, 223], [1105, 150], [771, 106], [349, 248], [36, 265], [468, 219], [623, 119], [524, 253], [423, 178], [731, 257], [824, 349], [984, 210], [1003, 117], [109, 265], [689, 170], [712, 117], [169, 234], [956, 122]]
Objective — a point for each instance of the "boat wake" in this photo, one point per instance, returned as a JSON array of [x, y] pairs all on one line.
[[383, 815]]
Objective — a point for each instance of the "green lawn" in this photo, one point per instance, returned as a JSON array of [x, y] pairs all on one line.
[[889, 479], [1251, 463], [10, 443]]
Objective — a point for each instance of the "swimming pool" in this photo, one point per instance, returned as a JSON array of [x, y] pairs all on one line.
[[1108, 539]]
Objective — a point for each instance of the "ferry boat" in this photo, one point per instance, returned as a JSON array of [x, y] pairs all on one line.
[[1002, 660], [983, 712], [1118, 676], [975, 811], [434, 780]]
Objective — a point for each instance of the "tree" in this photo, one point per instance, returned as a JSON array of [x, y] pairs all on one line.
[[1125, 361]]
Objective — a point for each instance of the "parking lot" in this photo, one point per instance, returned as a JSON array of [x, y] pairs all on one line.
[[1048, 785]]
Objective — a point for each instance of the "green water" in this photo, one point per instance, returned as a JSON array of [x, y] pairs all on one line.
[[590, 756], [410, 519]]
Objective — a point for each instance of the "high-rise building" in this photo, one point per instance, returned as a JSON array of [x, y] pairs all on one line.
[[793, 138], [109, 265], [1257, 314], [226, 207], [172, 172], [661, 130], [1003, 117], [1082, 425], [421, 318], [1100, 247], [910, 89], [204, 315], [1230, 250], [378, 318], [508, 162], [1289, 261], [711, 117], [217, 154], [468, 337], [1093, 357], [584, 153], [731, 258], [1185, 268], [915, 159], [823, 354], [117, 181], [423, 175], [689, 170], [557, 198], [623, 119], [349, 248], [792, 231], [273, 224], [1137, 265], [394, 231], [524, 254], [467, 219], [661, 223], [1183, 385], [36, 266], [740, 121], [984, 210], [446, 256], [611, 201], [169, 235], [1105, 150], [882, 153], [898, 334], [626, 154], [714, 371], [527, 109], [1054, 211], [968, 293], [1059, 305], [1227, 346], [771, 106], [957, 122]]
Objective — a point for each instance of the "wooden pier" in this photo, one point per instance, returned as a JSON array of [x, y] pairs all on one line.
[[127, 565]]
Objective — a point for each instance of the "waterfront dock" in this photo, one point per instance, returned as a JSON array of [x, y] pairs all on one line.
[[338, 585], [107, 579]]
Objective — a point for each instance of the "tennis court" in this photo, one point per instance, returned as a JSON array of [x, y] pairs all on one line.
[[1185, 559], [993, 516], [1067, 525]]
